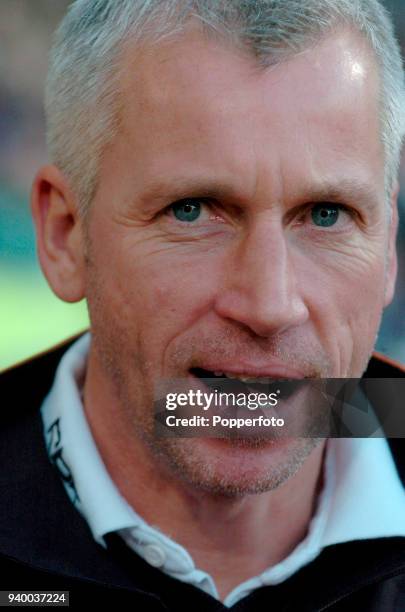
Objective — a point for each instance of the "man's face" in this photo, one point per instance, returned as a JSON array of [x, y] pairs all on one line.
[[239, 226]]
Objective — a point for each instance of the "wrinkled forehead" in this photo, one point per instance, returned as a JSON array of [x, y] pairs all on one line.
[[194, 107], [170, 67]]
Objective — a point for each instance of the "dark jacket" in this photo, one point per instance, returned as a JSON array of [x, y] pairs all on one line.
[[45, 544]]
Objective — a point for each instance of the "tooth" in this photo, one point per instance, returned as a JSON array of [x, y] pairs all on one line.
[[241, 378], [218, 373]]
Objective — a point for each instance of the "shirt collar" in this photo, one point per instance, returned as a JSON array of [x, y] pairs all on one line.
[[89, 486], [368, 496]]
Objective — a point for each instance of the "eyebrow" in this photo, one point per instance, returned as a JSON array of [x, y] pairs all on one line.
[[344, 190], [341, 190], [180, 188]]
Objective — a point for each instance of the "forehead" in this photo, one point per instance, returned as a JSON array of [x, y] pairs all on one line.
[[201, 105]]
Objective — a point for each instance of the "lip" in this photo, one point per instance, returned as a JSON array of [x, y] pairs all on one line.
[[274, 370]]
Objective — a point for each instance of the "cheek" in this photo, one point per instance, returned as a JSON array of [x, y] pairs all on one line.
[[347, 307], [365, 307], [173, 291], [161, 296]]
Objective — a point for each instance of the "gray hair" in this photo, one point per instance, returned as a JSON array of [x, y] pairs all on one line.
[[81, 91]]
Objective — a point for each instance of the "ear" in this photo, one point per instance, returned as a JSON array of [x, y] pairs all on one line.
[[59, 234], [392, 260]]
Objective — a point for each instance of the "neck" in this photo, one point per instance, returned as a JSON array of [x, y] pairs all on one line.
[[231, 538]]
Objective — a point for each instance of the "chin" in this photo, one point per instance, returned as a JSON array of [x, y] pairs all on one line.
[[238, 467]]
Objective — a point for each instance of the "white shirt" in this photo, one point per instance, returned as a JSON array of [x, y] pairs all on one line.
[[362, 496]]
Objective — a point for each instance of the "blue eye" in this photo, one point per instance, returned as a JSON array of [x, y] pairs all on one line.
[[325, 215], [187, 210]]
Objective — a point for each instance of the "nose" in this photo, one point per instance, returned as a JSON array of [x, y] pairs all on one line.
[[261, 291]]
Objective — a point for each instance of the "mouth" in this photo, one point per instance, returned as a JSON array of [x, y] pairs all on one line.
[[218, 380]]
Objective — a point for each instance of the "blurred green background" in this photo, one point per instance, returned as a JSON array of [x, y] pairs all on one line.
[[31, 317]]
